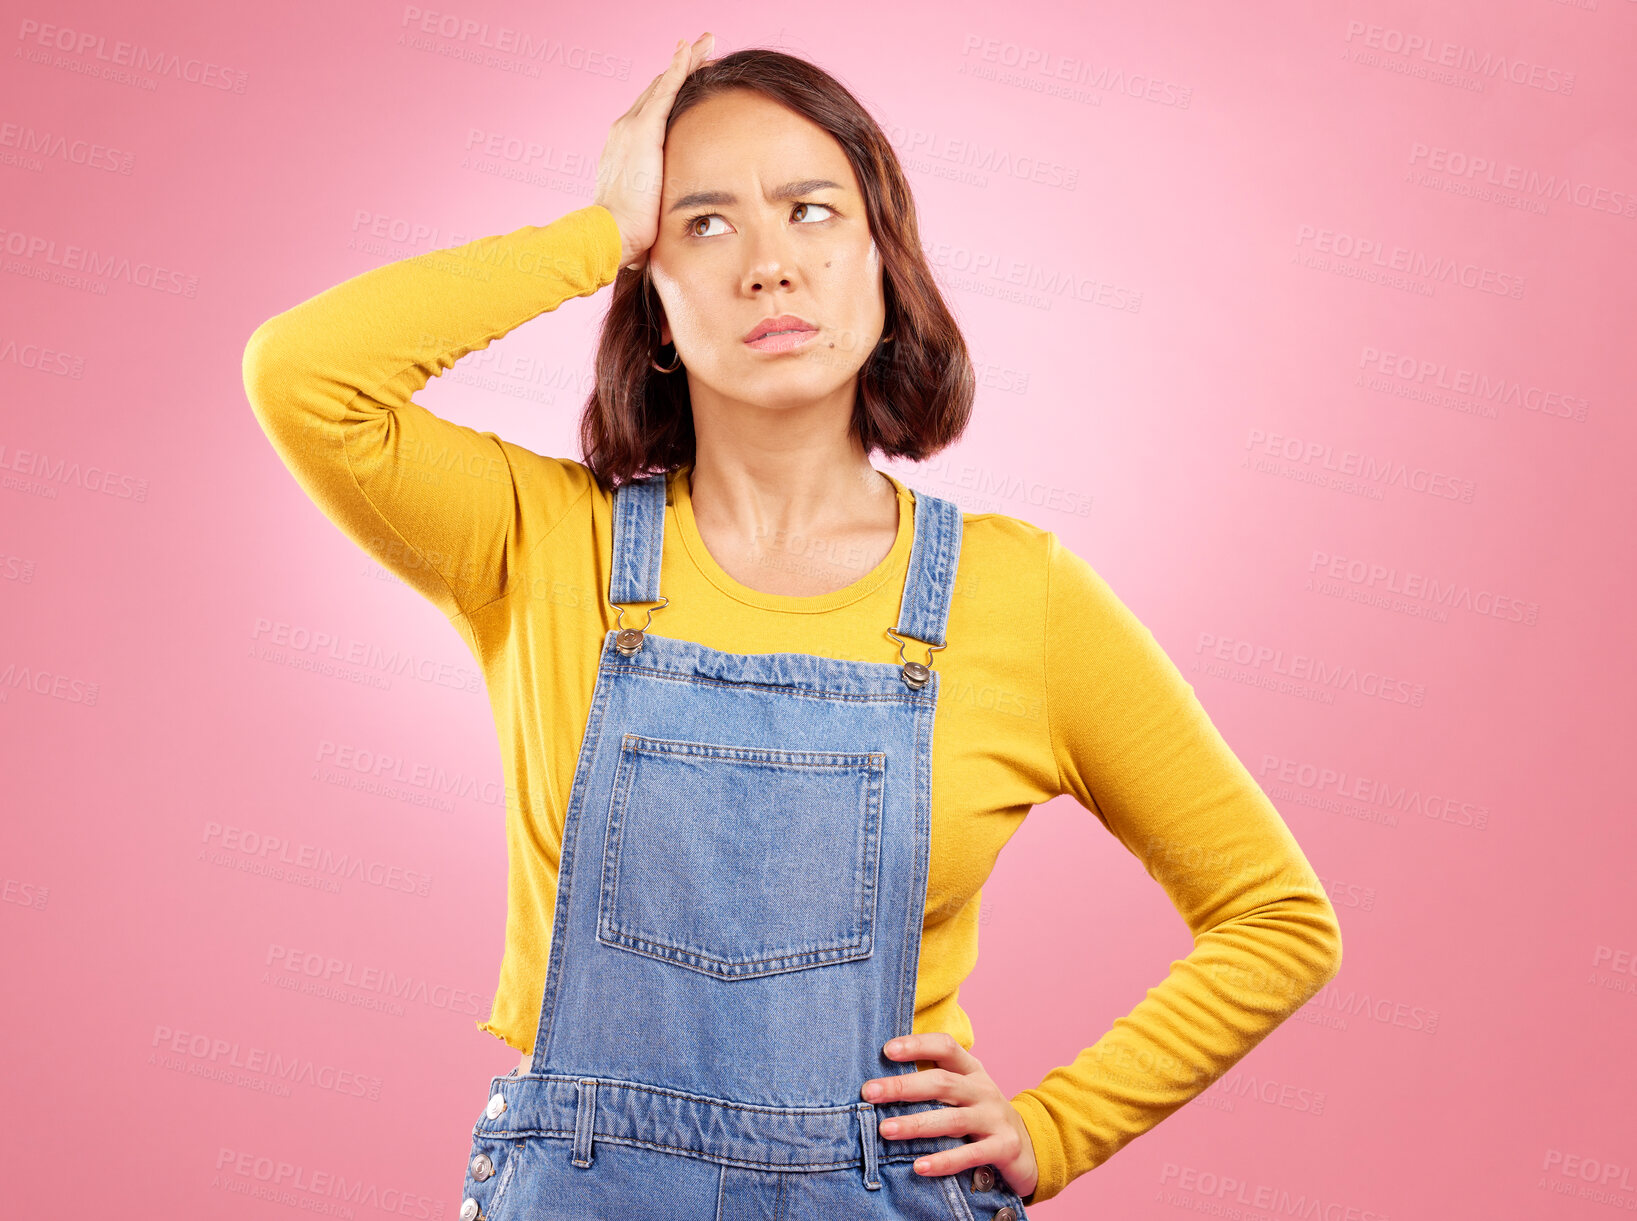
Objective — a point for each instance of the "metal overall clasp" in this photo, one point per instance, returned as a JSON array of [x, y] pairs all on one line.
[[628, 640], [915, 675]]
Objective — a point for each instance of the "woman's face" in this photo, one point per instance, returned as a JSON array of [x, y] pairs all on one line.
[[747, 232]]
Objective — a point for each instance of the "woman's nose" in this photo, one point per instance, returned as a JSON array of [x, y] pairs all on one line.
[[770, 260], [769, 279]]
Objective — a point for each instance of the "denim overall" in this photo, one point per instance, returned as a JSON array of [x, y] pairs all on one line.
[[737, 932]]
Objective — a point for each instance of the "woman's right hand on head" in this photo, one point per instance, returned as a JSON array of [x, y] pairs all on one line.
[[632, 167]]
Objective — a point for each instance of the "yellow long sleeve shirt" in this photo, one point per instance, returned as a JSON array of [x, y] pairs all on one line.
[[1049, 685]]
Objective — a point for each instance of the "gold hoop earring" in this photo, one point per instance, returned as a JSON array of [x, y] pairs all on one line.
[[675, 365]]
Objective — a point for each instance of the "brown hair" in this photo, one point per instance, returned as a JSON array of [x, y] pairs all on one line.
[[914, 392]]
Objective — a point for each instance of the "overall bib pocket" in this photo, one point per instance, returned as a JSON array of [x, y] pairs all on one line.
[[741, 861]]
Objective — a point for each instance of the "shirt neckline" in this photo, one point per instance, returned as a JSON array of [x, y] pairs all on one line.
[[681, 499]]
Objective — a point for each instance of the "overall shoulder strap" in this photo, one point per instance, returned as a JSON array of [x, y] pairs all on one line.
[[639, 539], [933, 558]]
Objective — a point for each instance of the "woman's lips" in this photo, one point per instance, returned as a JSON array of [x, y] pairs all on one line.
[[781, 341]]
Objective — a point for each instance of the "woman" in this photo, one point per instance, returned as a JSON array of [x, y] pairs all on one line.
[[767, 714]]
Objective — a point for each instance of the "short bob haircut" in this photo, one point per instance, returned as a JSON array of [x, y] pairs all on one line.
[[915, 390]]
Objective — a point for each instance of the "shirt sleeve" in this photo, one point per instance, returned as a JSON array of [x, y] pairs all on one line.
[[1134, 746], [449, 510]]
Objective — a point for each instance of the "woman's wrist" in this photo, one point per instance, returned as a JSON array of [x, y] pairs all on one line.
[[628, 251]]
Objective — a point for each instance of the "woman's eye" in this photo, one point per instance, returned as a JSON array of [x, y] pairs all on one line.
[[826, 207], [800, 208]]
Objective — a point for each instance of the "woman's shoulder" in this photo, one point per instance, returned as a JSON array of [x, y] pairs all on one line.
[[1004, 560], [1001, 538], [1017, 557], [549, 483]]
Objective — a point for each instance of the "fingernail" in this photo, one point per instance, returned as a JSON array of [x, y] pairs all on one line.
[[872, 1091], [921, 1166], [894, 1047]]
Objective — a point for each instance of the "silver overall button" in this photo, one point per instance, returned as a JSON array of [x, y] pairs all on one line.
[[497, 1104], [983, 1178], [469, 1209], [482, 1167], [1006, 1214]]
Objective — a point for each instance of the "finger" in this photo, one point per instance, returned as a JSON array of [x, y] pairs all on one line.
[[929, 1083], [670, 80], [986, 1152], [938, 1121], [937, 1046], [646, 94]]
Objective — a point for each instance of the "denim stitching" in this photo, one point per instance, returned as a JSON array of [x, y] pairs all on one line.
[[652, 943], [923, 819], [498, 1200], [867, 1135], [959, 1209], [585, 1121], [849, 697], [871, 760], [576, 804], [642, 1087], [521, 1136]]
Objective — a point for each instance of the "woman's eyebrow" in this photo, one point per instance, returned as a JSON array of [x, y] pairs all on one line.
[[790, 190]]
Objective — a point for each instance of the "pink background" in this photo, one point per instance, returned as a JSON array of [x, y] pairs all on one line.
[[1246, 249]]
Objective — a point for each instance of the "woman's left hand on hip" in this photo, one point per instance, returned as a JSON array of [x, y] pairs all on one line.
[[977, 1109]]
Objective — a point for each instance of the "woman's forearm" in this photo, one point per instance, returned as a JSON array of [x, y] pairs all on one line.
[[1134, 746]]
